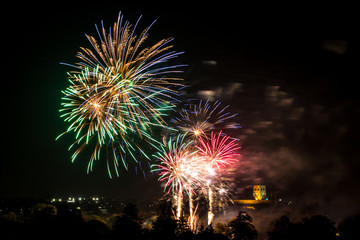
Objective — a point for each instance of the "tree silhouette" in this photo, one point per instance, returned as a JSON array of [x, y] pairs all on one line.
[[241, 228], [128, 225], [208, 233], [315, 227], [318, 227], [95, 229], [182, 229], [165, 209], [163, 228], [221, 228], [131, 211], [349, 228], [283, 229]]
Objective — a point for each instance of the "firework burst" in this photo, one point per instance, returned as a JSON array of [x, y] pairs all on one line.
[[219, 151], [119, 91], [199, 119], [179, 168]]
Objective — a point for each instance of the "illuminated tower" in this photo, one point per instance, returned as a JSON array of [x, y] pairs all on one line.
[[259, 192]]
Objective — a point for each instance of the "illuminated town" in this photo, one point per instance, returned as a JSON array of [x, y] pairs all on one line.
[[107, 209]]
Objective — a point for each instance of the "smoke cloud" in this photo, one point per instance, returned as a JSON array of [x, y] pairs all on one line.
[[297, 140]]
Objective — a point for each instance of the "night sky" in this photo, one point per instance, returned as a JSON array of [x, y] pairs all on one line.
[[288, 71]]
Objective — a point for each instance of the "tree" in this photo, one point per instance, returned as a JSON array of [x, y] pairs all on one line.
[[349, 228], [315, 227], [163, 228], [221, 228], [128, 225], [165, 209], [183, 230], [318, 227], [241, 228], [205, 232], [131, 211], [282, 229], [209, 233], [95, 229]]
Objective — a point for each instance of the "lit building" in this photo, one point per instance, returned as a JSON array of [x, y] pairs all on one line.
[[260, 198], [259, 192]]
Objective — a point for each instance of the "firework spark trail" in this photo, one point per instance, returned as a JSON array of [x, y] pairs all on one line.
[[218, 152], [199, 119], [191, 210], [119, 91]]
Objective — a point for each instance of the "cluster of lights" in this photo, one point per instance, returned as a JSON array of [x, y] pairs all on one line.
[[73, 199]]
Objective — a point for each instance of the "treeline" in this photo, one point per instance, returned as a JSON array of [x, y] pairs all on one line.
[[52, 223]]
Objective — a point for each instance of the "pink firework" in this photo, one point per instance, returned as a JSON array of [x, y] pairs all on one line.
[[180, 170], [178, 165], [219, 151]]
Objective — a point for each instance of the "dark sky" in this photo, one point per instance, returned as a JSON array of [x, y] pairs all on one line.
[[288, 71]]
